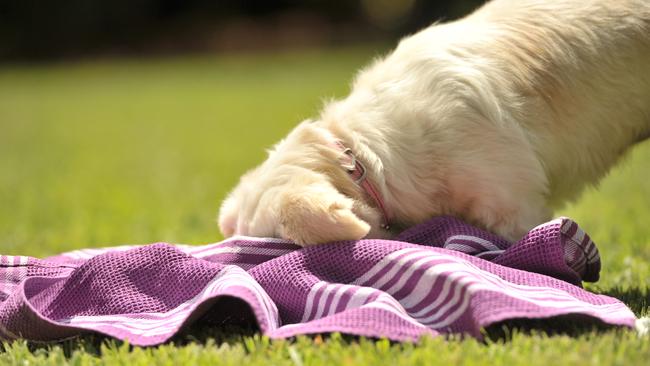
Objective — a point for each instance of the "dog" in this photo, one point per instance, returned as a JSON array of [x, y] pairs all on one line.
[[497, 118]]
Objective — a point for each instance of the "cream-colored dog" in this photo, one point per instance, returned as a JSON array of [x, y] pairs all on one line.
[[496, 118]]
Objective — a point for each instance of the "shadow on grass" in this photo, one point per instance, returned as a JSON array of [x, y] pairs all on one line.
[[636, 298], [235, 321], [231, 324], [567, 325]]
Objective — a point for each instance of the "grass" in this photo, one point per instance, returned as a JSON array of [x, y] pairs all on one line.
[[136, 151]]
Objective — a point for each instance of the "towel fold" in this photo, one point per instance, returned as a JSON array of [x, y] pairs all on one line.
[[440, 277]]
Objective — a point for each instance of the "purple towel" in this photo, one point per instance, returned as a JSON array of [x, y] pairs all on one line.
[[440, 277]]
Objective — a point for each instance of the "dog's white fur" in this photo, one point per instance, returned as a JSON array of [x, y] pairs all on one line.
[[496, 118]]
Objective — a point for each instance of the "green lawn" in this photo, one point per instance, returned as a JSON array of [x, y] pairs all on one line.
[[112, 152]]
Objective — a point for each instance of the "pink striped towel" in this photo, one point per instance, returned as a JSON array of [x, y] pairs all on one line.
[[440, 277]]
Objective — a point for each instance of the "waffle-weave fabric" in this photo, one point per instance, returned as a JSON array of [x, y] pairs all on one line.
[[443, 276]]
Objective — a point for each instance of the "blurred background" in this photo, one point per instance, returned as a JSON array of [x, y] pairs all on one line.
[[128, 121], [43, 29]]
